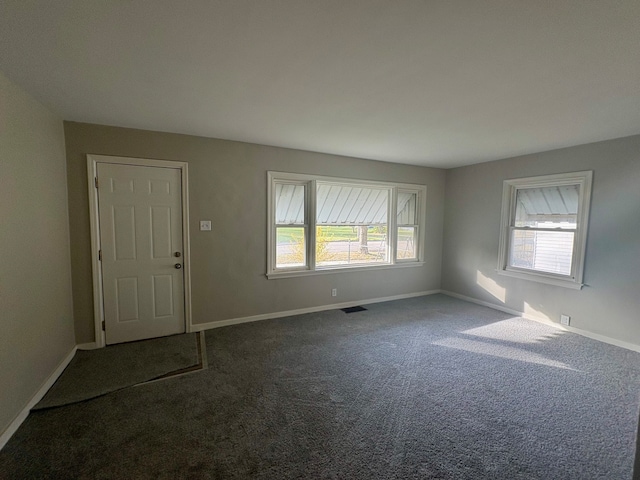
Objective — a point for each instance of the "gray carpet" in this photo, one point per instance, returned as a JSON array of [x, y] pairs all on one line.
[[93, 373], [424, 388]]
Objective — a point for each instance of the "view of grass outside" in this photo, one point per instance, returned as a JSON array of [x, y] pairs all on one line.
[[341, 233], [406, 248], [290, 247], [335, 245]]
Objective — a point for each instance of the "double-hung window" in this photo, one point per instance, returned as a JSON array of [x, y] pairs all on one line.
[[544, 228], [407, 225], [322, 224], [291, 226]]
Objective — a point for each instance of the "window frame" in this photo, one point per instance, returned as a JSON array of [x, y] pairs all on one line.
[[574, 280], [310, 182], [417, 225], [305, 225]]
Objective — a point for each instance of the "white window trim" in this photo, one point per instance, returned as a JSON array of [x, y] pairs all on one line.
[[310, 221], [510, 188]]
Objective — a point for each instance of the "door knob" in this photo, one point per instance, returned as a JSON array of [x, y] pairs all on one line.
[[177, 254], [178, 266]]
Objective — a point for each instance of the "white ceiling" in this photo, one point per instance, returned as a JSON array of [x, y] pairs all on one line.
[[438, 83]]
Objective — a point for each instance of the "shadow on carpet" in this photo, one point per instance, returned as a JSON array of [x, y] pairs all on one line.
[[93, 373]]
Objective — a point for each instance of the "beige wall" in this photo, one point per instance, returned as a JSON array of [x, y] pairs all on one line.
[[36, 317], [609, 304], [227, 185]]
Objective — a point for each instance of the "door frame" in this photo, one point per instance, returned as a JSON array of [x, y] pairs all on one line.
[[96, 264]]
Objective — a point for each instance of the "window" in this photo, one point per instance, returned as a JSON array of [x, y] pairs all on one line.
[[351, 224], [291, 228], [321, 224], [544, 228], [407, 225]]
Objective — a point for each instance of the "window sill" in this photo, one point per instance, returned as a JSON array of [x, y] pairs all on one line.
[[341, 269], [542, 278]]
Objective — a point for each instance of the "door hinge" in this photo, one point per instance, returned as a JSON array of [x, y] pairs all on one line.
[[99, 255], [96, 181], [103, 329]]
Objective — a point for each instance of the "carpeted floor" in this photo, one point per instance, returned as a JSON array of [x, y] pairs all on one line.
[[424, 388], [94, 373]]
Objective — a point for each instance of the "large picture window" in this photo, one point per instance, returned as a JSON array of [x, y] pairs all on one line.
[[320, 224], [544, 228]]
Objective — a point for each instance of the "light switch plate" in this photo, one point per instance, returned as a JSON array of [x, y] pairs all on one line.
[[205, 225]]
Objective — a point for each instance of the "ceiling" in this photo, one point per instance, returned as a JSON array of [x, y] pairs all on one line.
[[435, 83]]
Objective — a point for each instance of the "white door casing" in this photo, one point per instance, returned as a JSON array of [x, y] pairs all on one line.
[[139, 234]]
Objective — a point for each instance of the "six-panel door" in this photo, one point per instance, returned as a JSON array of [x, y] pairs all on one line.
[[140, 213]]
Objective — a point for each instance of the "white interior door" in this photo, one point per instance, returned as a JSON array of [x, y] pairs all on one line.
[[140, 215]]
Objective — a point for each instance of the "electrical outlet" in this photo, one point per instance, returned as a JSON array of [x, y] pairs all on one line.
[[334, 292], [205, 225], [564, 320]]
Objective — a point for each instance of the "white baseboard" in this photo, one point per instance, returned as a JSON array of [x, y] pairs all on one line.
[[602, 338], [44, 388], [546, 321], [485, 304], [287, 313]]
